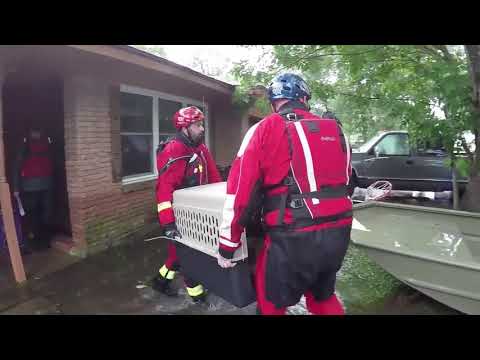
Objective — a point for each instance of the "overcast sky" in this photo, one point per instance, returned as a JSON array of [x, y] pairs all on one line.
[[222, 56]]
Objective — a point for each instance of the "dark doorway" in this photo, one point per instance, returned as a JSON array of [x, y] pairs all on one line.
[[34, 97]]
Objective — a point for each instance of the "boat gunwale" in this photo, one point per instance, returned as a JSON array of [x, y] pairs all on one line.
[[421, 257], [408, 253], [428, 209]]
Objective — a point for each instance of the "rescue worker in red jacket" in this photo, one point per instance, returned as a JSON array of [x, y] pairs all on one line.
[[183, 162], [300, 163], [33, 181]]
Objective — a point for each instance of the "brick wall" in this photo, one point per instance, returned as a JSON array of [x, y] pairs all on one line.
[[102, 211]]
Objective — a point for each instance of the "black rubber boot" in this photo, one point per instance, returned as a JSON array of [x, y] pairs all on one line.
[[200, 299], [163, 285]]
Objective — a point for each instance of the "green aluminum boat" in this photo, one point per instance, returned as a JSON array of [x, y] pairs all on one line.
[[436, 251]]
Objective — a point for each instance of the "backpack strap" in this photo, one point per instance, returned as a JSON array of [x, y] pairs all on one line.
[[171, 161], [342, 138], [164, 143], [293, 198]]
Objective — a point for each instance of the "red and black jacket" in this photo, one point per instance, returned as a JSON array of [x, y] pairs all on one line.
[[34, 166], [180, 165], [300, 163]]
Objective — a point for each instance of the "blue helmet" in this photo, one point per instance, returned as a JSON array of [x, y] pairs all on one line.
[[288, 86]]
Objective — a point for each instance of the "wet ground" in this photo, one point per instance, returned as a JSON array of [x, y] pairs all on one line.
[[111, 282], [115, 282]]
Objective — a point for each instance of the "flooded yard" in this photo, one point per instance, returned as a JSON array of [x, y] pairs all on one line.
[[115, 281]]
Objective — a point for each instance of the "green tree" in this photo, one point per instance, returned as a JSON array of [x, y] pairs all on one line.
[[425, 89], [472, 195]]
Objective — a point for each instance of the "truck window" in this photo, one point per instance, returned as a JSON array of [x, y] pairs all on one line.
[[393, 145], [429, 148]]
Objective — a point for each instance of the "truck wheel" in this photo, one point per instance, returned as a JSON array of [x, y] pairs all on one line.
[[352, 184]]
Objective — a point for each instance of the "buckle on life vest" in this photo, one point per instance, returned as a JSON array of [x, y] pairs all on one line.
[[291, 117], [296, 204]]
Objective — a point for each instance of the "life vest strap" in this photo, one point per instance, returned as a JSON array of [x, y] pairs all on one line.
[[295, 201], [302, 223]]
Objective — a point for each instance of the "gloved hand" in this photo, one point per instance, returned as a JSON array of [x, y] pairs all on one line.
[[172, 232], [225, 263]]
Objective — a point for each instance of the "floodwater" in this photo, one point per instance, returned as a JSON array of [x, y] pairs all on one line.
[[362, 287], [115, 281]]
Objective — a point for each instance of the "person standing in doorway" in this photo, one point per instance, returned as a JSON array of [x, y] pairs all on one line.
[[33, 183]]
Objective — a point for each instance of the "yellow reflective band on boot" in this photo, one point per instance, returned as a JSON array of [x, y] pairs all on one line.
[[167, 274], [164, 205], [195, 291]]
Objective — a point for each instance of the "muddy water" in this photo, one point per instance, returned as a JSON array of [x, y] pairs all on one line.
[[362, 287]]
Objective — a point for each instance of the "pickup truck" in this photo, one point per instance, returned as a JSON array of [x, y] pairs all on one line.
[[390, 156]]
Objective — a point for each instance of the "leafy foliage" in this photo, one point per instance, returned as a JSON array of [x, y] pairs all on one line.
[[425, 89]]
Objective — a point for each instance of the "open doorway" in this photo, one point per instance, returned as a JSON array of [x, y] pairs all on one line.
[[33, 97]]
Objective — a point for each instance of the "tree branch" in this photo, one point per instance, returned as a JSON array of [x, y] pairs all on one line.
[[360, 96], [347, 53], [427, 49], [467, 149], [476, 132], [312, 56], [296, 61], [473, 54], [381, 98], [446, 54]]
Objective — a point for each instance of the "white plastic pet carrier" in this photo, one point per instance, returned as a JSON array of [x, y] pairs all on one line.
[[198, 213]]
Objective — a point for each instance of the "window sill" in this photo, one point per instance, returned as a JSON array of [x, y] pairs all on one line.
[[139, 183]]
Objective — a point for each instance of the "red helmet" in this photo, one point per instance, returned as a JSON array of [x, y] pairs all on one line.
[[186, 116]]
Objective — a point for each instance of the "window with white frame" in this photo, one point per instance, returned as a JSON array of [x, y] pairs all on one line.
[[136, 113], [146, 120], [166, 109]]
